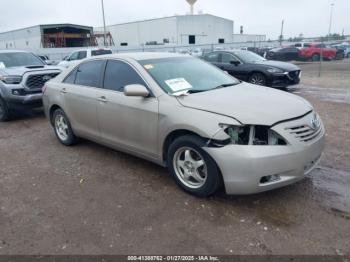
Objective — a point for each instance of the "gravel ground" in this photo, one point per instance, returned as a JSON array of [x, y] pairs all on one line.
[[89, 199]]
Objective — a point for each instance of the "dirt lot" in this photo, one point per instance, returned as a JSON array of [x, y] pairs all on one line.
[[89, 199]]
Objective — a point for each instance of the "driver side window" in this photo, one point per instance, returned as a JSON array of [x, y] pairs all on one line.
[[119, 74], [228, 58]]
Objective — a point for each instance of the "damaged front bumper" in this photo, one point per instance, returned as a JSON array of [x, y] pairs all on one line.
[[250, 169]]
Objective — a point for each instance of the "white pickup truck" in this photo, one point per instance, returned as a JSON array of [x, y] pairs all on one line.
[[82, 54]]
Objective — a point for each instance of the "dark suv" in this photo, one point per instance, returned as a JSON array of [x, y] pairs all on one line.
[[22, 77]]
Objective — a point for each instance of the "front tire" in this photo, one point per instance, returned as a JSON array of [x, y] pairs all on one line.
[[258, 79], [315, 57], [63, 129], [4, 111], [192, 168]]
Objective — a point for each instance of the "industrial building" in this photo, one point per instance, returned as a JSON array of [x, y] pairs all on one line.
[[48, 36], [244, 38], [174, 30], [181, 30]]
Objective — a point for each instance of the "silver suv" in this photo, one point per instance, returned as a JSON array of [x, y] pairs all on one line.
[[22, 77]]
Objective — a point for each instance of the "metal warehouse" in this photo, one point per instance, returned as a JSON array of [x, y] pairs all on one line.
[[48, 36], [174, 30]]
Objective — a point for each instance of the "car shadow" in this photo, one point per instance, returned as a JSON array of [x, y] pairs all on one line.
[[20, 115]]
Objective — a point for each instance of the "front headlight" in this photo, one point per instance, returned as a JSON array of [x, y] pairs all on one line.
[[253, 135], [275, 71], [11, 80]]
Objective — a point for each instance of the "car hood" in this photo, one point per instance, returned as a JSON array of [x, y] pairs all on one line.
[[21, 70], [249, 104], [281, 65]]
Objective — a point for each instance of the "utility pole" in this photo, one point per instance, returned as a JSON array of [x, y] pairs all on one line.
[[281, 36], [104, 25], [330, 20]]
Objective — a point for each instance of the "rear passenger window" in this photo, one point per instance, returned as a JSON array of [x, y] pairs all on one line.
[[89, 73], [119, 74]]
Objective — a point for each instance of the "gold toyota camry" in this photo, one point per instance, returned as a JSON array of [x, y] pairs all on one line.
[[208, 128]]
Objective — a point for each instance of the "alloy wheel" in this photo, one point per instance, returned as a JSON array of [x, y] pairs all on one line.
[[257, 79], [190, 167], [61, 127]]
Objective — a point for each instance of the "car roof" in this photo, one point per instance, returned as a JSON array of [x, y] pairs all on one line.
[[144, 55], [233, 51], [90, 49]]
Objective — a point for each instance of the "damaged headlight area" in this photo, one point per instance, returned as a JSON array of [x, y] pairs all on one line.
[[251, 135]]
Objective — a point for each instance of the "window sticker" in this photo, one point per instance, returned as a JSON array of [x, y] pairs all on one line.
[[148, 67], [2, 65], [178, 84]]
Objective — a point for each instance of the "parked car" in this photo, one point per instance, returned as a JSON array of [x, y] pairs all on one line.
[[263, 51], [47, 60], [252, 68], [302, 45], [22, 76], [344, 47], [340, 53], [82, 54], [198, 52], [313, 52], [251, 49], [283, 54], [178, 111]]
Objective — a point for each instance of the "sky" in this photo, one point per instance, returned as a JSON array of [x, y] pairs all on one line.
[[307, 17]]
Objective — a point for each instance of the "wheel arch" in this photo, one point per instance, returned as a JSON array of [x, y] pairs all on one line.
[[174, 135], [255, 71], [52, 109]]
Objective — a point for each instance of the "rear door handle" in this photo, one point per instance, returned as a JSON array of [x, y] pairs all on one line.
[[64, 91], [102, 99]]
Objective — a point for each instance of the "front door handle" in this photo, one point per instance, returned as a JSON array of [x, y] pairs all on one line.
[[64, 91], [102, 99]]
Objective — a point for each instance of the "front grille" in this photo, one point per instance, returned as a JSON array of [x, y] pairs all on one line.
[[306, 133], [38, 81]]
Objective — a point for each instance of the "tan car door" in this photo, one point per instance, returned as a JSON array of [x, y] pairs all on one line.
[[80, 95], [130, 123]]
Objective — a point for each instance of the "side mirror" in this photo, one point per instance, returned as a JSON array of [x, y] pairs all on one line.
[[136, 90], [236, 63]]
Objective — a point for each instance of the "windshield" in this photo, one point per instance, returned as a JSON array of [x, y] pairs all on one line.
[[101, 52], [186, 74], [20, 59], [248, 57]]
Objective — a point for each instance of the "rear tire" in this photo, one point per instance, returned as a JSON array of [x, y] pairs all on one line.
[[258, 79], [4, 111], [315, 57], [63, 129], [192, 168]]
